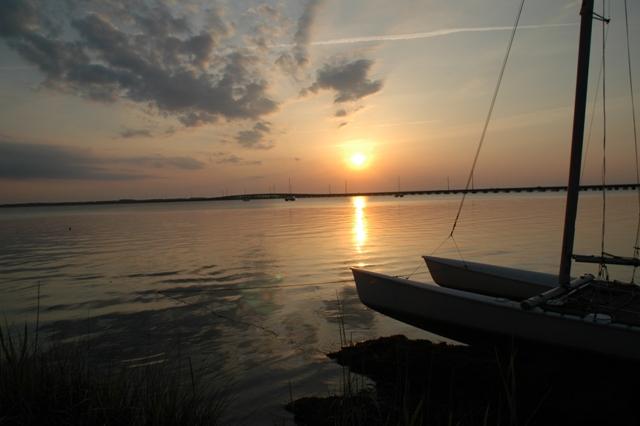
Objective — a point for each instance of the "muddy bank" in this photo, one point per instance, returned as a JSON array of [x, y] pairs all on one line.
[[419, 382]]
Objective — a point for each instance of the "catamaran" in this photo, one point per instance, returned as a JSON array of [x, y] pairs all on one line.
[[480, 303]]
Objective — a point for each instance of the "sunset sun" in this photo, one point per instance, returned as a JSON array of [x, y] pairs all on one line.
[[358, 160]]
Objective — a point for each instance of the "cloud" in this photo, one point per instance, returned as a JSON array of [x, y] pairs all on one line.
[[349, 80], [158, 60], [344, 123], [23, 161], [158, 162], [292, 61], [430, 34], [256, 137], [135, 133], [16, 17], [234, 159], [341, 113], [268, 24]]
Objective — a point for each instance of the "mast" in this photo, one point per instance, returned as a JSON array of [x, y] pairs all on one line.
[[573, 186]]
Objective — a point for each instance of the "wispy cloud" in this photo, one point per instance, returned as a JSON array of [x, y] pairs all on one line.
[[135, 133], [430, 34], [226, 158], [256, 138], [299, 57]]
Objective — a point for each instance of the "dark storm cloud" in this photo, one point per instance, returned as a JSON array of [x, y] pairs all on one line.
[[135, 133], [158, 61], [299, 56], [256, 137], [349, 80], [22, 161]]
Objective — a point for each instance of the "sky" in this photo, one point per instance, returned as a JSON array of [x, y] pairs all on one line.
[[110, 99]]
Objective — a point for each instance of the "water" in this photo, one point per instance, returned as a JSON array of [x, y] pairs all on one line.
[[253, 292]]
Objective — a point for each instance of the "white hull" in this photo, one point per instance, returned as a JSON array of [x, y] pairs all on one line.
[[471, 317], [499, 281]]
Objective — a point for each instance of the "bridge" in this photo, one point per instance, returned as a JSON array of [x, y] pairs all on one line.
[[265, 196]]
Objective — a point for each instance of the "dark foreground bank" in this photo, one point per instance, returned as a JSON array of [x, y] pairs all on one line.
[[419, 382]]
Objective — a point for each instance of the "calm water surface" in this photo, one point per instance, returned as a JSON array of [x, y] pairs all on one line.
[[253, 292]]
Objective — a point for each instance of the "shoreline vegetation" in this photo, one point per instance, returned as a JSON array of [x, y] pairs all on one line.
[[64, 383], [386, 381], [269, 196], [414, 382]]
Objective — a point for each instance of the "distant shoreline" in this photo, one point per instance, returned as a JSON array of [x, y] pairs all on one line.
[[268, 196]]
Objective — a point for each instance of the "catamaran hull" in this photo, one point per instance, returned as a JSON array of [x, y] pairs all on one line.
[[473, 318], [491, 280]]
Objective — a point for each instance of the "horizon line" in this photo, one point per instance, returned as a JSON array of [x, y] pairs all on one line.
[[278, 195]]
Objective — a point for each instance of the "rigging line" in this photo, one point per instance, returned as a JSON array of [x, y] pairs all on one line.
[[412, 273], [458, 250], [603, 267], [488, 119], [219, 315], [440, 245], [267, 330], [167, 294], [238, 288], [636, 250], [593, 114]]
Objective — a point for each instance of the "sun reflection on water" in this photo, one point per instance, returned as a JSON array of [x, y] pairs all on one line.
[[359, 222]]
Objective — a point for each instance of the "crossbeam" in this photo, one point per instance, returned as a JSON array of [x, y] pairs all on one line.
[[556, 292], [607, 259]]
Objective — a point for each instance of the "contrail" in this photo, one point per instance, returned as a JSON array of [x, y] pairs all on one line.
[[430, 34]]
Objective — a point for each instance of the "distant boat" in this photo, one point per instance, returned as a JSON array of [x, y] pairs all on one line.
[[475, 302], [290, 196], [398, 194]]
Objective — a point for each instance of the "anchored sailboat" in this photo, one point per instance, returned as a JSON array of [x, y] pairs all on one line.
[[290, 196], [476, 302], [398, 194]]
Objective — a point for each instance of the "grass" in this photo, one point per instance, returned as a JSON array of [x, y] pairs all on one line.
[[60, 384]]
